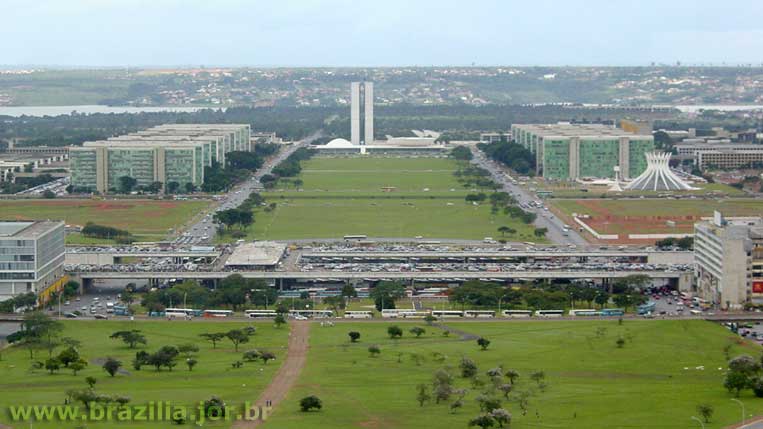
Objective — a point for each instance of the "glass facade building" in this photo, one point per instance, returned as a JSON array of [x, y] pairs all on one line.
[[31, 256]]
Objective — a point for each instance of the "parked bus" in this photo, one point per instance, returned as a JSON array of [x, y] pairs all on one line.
[[356, 237], [358, 314], [612, 312], [121, 310], [517, 313], [479, 313], [583, 312], [182, 312], [312, 314], [257, 314], [647, 308], [218, 313], [109, 307], [549, 313], [397, 312], [447, 313]]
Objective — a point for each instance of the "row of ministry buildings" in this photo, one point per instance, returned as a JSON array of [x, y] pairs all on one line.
[[165, 153]]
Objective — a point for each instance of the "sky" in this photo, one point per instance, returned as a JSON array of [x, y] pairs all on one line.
[[115, 33]]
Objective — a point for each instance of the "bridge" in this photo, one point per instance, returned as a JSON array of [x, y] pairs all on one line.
[[108, 257], [381, 275]]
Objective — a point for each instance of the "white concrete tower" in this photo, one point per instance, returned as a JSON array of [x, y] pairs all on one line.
[[355, 113], [368, 119]]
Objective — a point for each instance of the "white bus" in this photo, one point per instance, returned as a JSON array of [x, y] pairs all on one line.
[[583, 312], [517, 313], [479, 313], [181, 312], [256, 314], [549, 313], [218, 313], [356, 237], [397, 312], [312, 314], [447, 313], [109, 307], [358, 314]]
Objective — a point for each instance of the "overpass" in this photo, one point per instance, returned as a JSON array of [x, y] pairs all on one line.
[[107, 256]]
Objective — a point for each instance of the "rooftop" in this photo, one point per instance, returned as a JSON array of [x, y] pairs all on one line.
[[260, 253], [27, 229], [576, 130]]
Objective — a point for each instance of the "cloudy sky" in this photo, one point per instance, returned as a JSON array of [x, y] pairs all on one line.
[[379, 32]]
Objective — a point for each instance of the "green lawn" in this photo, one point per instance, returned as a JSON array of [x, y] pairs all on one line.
[[146, 219], [213, 375], [342, 196], [653, 381]]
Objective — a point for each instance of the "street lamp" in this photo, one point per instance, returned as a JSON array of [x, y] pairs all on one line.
[[699, 421], [741, 404], [500, 300]]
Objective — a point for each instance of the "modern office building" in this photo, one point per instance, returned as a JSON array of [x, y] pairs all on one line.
[[166, 153], [578, 151], [721, 154], [362, 92], [31, 257], [728, 256]]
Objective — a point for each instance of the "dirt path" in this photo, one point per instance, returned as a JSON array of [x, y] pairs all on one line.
[[287, 375], [465, 336]]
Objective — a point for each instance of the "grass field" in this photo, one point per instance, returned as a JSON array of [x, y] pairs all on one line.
[[652, 382], [640, 216], [213, 375], [146, 219], [341, 196]]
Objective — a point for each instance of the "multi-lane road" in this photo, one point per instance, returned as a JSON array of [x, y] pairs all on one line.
[[205, 229], [545, 219]]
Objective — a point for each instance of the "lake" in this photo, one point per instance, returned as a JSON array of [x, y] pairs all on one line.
[[17, 111]]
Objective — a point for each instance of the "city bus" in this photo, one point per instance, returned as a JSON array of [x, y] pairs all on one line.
[[646, 308], [612, 312], [397, 312], [218, 313], [312, 314], [479, 313], [358, 314], [182, 312], [447, 313], [517, 313], [583, 312], [549, 313], [257, 314], [356, 237]]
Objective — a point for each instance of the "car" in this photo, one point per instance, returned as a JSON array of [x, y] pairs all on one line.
[[67, 302], [70, 315], [100, 316]]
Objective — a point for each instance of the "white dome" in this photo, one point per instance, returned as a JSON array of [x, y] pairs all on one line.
[[339, 143]]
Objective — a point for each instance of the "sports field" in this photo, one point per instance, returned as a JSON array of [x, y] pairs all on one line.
[[212, 375], [643, 216], [656, 380], [146, 219], [379, 197]]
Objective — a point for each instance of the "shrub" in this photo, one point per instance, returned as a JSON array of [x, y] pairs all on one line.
[[310, 402]]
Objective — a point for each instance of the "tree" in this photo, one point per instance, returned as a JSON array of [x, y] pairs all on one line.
[[310, 402], [620, 342], [512, 375], [540, 232], [483, 421], [48, 194], [506, 230], [417, 331], [385, 293], [40, 331], [237, 336], [68, 355], [335, 302], [374, 350], [213, 337], [483, 343], [506, 388], [429, 319], [422, 394], [251, 355], [705, 411], [735, 381], [279, 320], [191, 362], [90, 381], [126, 184], [501, 416], [132, 338], [348, 291], [172, 187], [538, 377], [266, 356], [77, 366], [468, 368], [52, 365], [354, 336], [488, 403], [111, 366], [394, 331], [188, 349], [601, 298]]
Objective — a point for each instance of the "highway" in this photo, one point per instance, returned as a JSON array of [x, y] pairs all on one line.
[[545, 219], [205, 229]]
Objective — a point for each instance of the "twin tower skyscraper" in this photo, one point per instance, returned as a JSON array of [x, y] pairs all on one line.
[[362, 92]]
